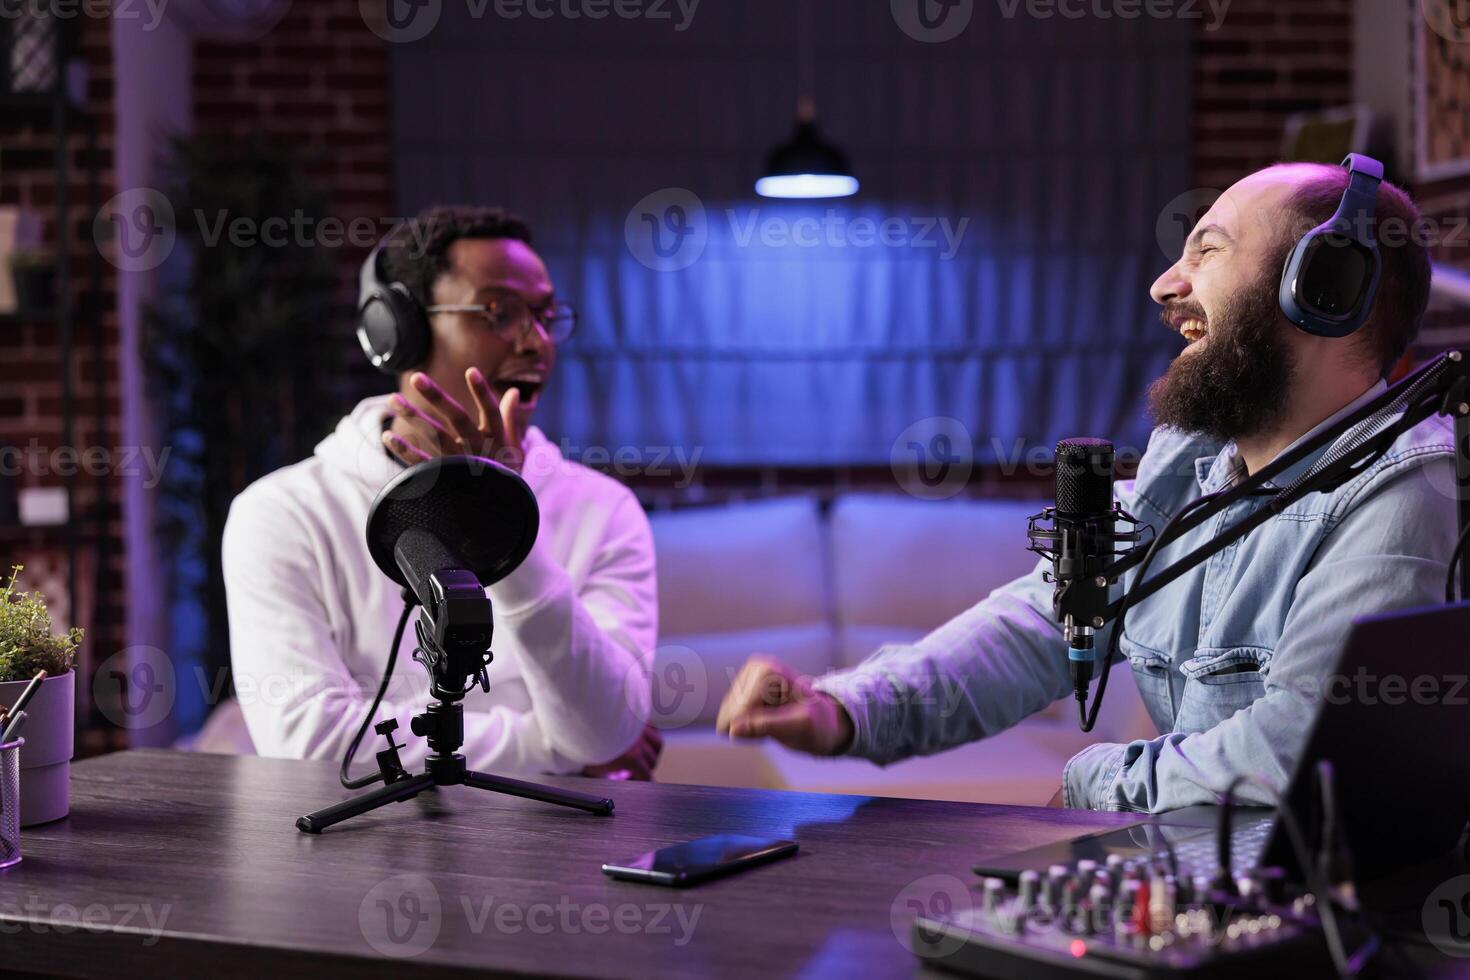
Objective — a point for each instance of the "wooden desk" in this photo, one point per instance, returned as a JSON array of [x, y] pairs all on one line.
[[191, 866], [206, 847]]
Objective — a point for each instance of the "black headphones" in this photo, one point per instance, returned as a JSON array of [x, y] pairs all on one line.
[[1331, 276], [391, 325]]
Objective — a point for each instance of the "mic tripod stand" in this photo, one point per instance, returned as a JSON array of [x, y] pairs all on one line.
[[442, 723]]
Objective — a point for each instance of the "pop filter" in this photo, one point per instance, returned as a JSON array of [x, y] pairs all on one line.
[[465, 508]]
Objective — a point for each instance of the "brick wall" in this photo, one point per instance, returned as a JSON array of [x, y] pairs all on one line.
[[1266, 60], [318, 80], [31, 366]]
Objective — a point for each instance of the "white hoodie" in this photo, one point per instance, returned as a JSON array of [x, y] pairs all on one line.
[[311, 616]]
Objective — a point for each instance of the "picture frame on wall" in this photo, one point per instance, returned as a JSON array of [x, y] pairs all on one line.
[[1440, 90]]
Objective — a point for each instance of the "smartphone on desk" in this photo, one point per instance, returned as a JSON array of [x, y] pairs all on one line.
[[700, 860]]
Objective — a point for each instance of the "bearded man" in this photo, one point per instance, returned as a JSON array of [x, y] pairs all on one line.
[[1228, 656]]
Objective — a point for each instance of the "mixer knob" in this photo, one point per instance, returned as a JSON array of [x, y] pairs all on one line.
[[1085, 870], [994, 891], [1161, 903], [1051, 889], [1029, 886]]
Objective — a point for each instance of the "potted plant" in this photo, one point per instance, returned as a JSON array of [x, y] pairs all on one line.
[[28, 645], [34, 273]]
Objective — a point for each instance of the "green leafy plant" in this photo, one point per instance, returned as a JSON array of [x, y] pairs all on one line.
[[240, 346], [27, 643]]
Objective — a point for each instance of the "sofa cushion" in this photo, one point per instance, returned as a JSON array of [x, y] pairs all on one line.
[[740, 567], [902, 567]]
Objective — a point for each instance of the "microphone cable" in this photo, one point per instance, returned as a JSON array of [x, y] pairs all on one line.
[[1457, 557], [1087, 718], [1384, 439], [409, 601]]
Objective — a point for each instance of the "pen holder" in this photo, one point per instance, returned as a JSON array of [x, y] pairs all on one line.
[[10, 803]]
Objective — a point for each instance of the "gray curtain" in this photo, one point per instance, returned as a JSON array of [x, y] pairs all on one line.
[[1012, 182]]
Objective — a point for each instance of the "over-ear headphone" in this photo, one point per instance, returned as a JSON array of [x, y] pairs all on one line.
[[391, 325], [1331, 276]]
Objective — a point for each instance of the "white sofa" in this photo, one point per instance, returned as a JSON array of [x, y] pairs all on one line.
[[822, 590]]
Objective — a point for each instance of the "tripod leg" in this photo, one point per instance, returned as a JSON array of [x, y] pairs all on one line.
[[403, 789], [535, 791]]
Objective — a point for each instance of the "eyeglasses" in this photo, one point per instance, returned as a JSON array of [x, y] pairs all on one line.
[[511, 318]]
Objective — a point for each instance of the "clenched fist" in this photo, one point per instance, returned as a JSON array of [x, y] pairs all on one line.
[[769, 698]]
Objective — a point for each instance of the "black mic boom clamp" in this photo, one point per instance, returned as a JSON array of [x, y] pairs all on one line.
[[490, 515]]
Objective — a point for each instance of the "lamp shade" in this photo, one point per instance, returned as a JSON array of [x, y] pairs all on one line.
[[807, 166]]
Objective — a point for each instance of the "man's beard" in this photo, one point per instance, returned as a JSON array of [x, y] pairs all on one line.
[[1237, 385]]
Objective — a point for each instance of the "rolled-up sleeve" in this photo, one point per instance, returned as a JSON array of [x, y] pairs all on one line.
[[982, 672]]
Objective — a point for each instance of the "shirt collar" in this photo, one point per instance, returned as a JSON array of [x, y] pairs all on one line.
[[1216, 472]]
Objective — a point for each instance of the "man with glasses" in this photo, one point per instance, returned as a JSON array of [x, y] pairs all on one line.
[[311, 616]]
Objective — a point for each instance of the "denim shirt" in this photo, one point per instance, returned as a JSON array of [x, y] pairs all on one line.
[[1230, 659]]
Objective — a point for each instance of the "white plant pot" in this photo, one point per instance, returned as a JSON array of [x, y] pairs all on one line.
[[50, 736]]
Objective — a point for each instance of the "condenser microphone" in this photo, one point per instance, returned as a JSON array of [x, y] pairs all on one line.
[[1080, 536], [1084, 522], [446, 529]]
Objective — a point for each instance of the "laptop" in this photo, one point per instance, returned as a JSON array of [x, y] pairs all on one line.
[[1393, 723]]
